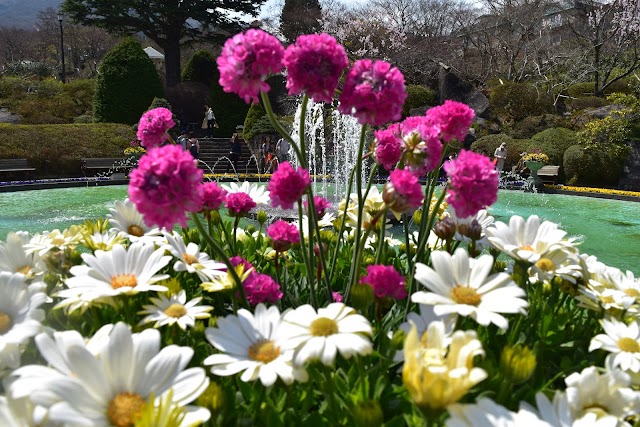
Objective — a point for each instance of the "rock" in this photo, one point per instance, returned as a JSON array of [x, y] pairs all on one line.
[[7, 116], [453, 87], [597, 113]]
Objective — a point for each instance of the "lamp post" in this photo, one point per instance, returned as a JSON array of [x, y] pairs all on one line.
[[63, 76]]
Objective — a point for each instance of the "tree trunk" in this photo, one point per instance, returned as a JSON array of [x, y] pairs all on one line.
[[172, 62]]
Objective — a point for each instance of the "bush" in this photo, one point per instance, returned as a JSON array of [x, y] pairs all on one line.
[[55, 150], [515, 101], [571, 162], [587, 167], [229, 108], [127, 83], [532, 125], [487, 145], [253, 115], [587, 102], [418, 96], [579, 90], [201, 68], [554, 142]]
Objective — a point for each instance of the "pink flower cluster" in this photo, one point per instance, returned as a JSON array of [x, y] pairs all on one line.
[[403, 191], [214, 196], [314, 65], [258, 287], [452, 118], [388, 148], [245, 62], [166, 185], [239, 204], [287, 185], [473, 183], [385, 281], [320, 203], [422, 144], [283, 235], [153, 127], [373, 92]]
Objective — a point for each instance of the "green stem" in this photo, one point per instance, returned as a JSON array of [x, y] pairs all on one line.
[[301, 130], [313, 219], [278, 127], [308, 266]]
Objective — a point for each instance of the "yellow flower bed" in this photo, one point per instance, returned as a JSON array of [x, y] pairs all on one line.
[[535, 157], [594, 190]]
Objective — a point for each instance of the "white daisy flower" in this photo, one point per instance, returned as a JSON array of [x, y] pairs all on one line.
[[527, 241], [126, 219], [321, 335], [603, 394], [324, 222], [20, 315], [54, 239], [556, 263], [484, 219], [14, 258], [622, 340], [120, 271], [258, 193], [254, 345], [102, 241], [110, 388], [191, 260], [22, 413], [462, 285], [487, 413], [169, 310], [422, 321]]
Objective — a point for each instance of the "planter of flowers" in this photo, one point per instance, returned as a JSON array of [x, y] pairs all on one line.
[[534, 161]]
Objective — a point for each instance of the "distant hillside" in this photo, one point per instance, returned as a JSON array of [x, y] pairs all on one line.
[[23, 13]]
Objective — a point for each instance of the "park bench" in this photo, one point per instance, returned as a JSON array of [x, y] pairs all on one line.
[[15, 165], [549, 174], [90, 164]]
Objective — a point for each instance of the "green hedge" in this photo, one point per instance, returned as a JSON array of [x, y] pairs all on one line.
[[554, 142], [55, 150], [488, 144], [532, 125], [515, 101], [418, 96], [573, 159]]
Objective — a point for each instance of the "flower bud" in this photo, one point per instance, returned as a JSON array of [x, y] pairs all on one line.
[[368, 414], [212, 398], [261, 217], [517, 363], [445, 229], [215, 218], [193, 236], [316, 249], [397, 340], [417, 216], [251, 229], [369, 259], [472, 230], [394, 201], [566, 286], [362, 296]]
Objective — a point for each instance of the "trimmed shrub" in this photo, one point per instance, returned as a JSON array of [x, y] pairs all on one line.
[[554, 142], [253, 115], [587, 102], [418, 96], [515, 101], [571, 162], [201, 68], [127, 83], [229, 108], [532, 125], [586, 167], [579, 90], [55, 150], [487, 145]]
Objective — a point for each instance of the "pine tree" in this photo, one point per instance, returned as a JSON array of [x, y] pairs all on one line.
[[300, 17]]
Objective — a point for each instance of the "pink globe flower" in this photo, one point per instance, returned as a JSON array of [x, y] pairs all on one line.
[[287, 185], [261, 288], [314, 65], [283, 235], [452, 118], [246, 61], [239, 204], [385, 281], [473, 183], [336, 296], [166, 185], [403, 191], [388, 147], [422, 145], [214, 196], [321, 204], [153, 127], [373, 92]]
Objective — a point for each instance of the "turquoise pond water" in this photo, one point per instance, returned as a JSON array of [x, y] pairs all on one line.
[[610, 228]]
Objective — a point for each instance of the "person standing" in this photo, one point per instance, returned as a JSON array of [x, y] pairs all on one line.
[[500, 156], [183, 139], [264, 154], [234, 152], [210, 118], [282, 150], [194, 146]]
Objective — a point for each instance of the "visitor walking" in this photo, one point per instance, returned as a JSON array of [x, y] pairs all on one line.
[[235, 151], [272, 158], [282, 150], [209, 120], [183, 139], [500, 155], [264, 153], [193, 145]]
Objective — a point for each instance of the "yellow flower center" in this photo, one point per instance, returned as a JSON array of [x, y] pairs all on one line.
[[57, 241], [527, 248], [135, 230], [264, 351], [6, 323], [189, 259], [632, 292], [124, 409], [465, 295], [175, 310], [545, 264], [122, 280], [25, 269], [629, 345], [323, 327]]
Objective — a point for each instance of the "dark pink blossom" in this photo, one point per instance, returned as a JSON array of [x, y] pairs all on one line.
[[473, 183], [261, 288], [403, 191], [336, 296], [422, 145], [214, 196], [314, 65], [321, 204], [239, 204], [246, 61], [373, 92], [452, 118], [166, 185], [153, 127], [388, 147], [385, 281], [287, 185], [283, 235]]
